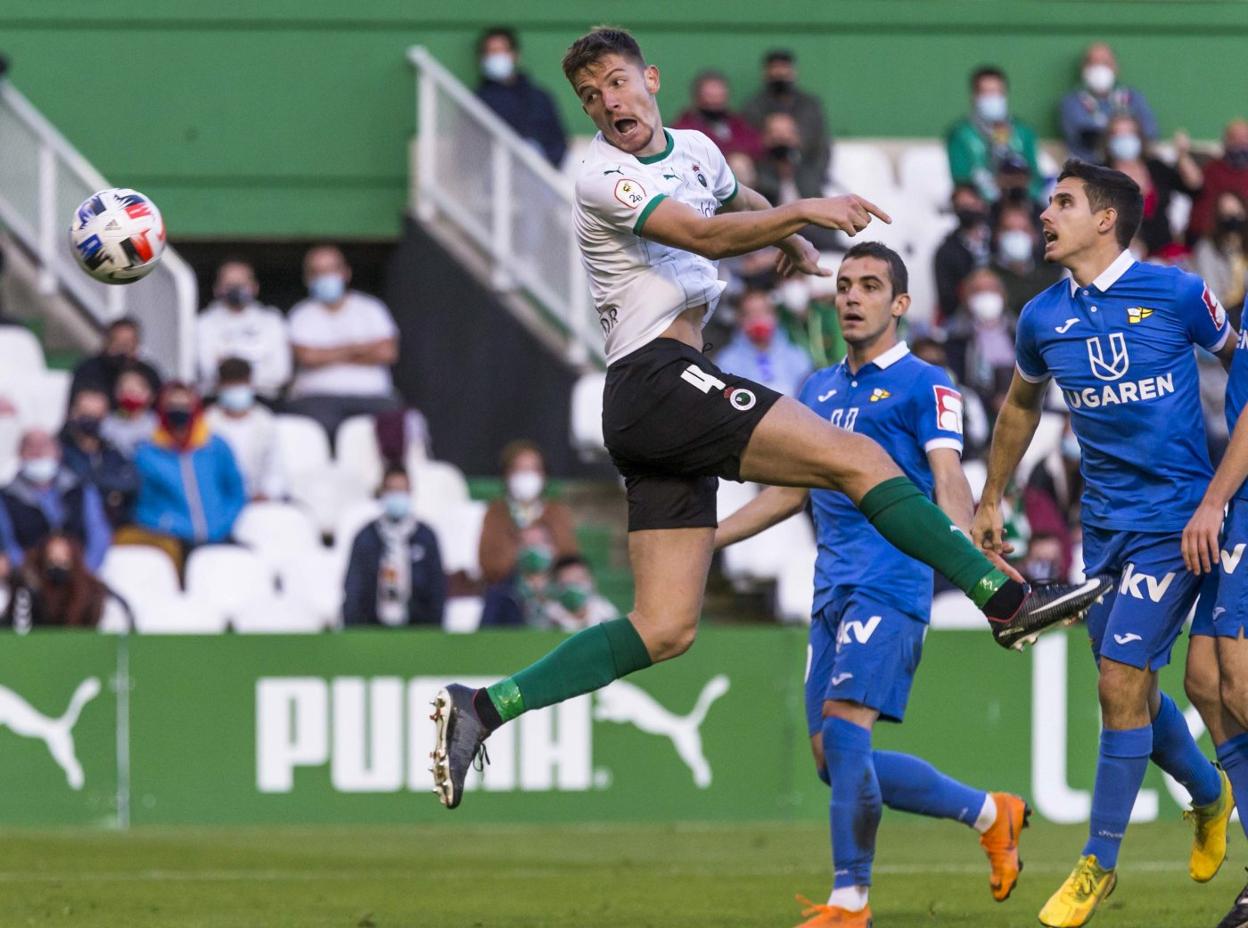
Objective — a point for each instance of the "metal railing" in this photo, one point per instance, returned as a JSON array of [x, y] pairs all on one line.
[[497, 191], [43, 178]]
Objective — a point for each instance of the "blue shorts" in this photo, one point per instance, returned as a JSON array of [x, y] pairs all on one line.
[[864, 652], [1137, 622], [1229, 616]]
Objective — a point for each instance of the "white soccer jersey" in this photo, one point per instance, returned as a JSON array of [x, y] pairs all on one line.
[[640, 286]]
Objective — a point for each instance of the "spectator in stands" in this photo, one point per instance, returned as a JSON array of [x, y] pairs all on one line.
[[981, 338], [394, 574], [249, 429], [54, 588], [523, 504], [86, 452], [236, 325], [47, 497], [518, 101], [1018, 257], [121, 351], [710, 115], [1126, 151], [1228, 173], [807, 313], [132, 420], [761, 351], [521, 599], [1087, 110], [780, 94], [1221, 257], [344, 343], [965, 248], [190, 488], [989, 148], [1053, 494], [1046, 560], [572, 602], [784, 174]]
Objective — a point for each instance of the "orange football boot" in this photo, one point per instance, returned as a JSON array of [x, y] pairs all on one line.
[[830, 916], [1000, 843]]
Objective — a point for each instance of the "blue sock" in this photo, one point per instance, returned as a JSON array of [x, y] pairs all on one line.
[[1233, 756], [1175, 751], [856, 804], [1119, 773], [911, 784]]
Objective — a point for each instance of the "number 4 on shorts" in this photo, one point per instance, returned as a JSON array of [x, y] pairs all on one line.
[[701, 379]]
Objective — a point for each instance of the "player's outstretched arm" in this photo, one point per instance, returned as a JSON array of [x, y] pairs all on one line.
[[726, 234], [1201, 536], [1013, 433], [773, 505]]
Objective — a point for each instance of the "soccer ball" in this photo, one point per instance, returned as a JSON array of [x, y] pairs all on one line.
[[117, 235]]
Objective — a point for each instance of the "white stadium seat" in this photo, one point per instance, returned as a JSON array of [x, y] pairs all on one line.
[[228, 577], [276, 531], [951, 609], [437, 487], [732, 495], [313, 580], [356, 451], [923, 170], [350, 521], [302, 443], [276, 615], [587, 436], [795, 589], [463, 614], [459, 537], [325, 492], [51, 400], [21, 355], [137, 572], [115, 620], [177, 614], [864, 169], [10, 437]]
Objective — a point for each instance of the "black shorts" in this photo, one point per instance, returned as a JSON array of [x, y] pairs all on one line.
[[674, 423]]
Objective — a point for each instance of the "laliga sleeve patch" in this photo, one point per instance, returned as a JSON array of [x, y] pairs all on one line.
[[948, 409], [1216, 312], [629, 192]]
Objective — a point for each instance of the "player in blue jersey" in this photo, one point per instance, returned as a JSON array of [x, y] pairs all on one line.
[[872, 603], [1212, 546], [1118, 337]]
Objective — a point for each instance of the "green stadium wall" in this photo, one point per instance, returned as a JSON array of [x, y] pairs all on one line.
[[334, 729], [291, 118]]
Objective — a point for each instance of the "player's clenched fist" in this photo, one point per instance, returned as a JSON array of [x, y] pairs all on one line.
[[849, 214], [988, 530]]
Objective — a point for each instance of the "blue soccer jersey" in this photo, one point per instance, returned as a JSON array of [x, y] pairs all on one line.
[[1237, 395], [909, 407], [1120, 349]]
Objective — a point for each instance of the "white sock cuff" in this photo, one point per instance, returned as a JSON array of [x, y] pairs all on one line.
[[849, 898], [987, 815]]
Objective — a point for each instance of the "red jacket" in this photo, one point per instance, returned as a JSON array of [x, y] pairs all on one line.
[[732, 135], [1219, 178]]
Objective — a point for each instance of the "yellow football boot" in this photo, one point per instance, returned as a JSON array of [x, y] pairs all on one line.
[[1075, 901], [1209, 842]]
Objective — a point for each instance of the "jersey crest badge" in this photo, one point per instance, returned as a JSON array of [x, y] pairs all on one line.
[[879, 394], [1137, 314], [629, 192], [701, 177], [1216, 312], [948, 409]]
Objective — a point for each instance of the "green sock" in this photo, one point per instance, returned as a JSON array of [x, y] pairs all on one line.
[[587, 661], [916, 526]]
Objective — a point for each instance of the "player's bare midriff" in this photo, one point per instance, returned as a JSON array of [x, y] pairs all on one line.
[[687, 327]]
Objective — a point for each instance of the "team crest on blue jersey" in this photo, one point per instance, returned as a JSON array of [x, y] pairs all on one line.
[[879, 394], [1137, 314]]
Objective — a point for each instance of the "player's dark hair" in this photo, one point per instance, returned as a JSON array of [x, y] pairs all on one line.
[[1109, 189], [505, 32], [898, 276], [234, 370], [988, 70], [779, 54], [125, 322], [703, 76], [513, 450], [597, 43], [569, 560]]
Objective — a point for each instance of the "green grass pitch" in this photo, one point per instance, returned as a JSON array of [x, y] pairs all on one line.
[[703, 876]]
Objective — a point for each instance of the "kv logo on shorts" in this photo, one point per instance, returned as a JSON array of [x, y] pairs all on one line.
[[1116, 367], [861, 631], [1230, 559], [1132, 580]]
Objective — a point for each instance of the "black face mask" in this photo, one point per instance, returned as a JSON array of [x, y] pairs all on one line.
[[779, 85], [178, 418], [237, 296], [712, 115], [1236, 158], [1232, 224], [782, 152], [86, 426], [969, 218], [57, 575]]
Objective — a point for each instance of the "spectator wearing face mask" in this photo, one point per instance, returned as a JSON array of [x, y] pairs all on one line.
[[981, 338], [1052, 495], [394, 573], [120, 353], [519, 102], [711, 116], [780, 94], [46, 497], [190, 488], [784, 174], [523, 504], [236, 325], [1221, 258], [1087, 110], [989, 142], [1126, 151], [1228, 174], [54, 588], [807, 313], [344, 344], [761, 351], [1046, 560], [249, 429], [94, 459], [522, 599], [1018, 257], [132, 420], [965, 248], [572, 600]]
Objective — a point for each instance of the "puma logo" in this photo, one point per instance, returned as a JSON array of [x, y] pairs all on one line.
[[624, 703], [24, 720], [1065, 326]]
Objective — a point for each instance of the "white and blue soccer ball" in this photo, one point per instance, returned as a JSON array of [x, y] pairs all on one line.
[[117, 235]]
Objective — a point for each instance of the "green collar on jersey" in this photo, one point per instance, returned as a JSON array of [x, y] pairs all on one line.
[[652, 159]]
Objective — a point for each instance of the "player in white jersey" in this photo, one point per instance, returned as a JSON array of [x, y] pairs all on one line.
[[655, 209]]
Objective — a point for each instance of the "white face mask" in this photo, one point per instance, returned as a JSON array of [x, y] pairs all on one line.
[[986, 305], [238, 398], [1099, 78], [396, 504], [524, 486], [992, 107], [1015, 246], [1124, 147], [40, 470], [498, 66]]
